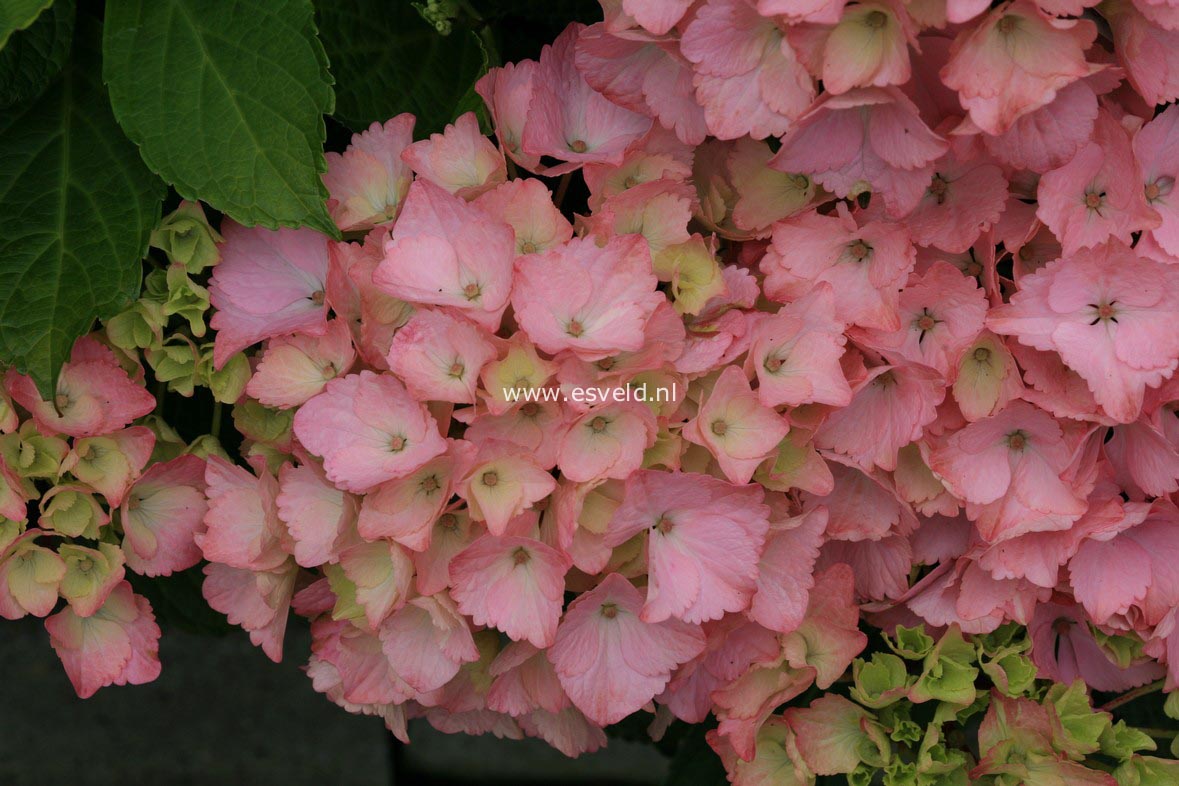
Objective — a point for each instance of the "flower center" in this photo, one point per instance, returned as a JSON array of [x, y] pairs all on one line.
[[527, 247], [85, 564], [317, 297], [578, 146], [1007, 24], [1152, 191], [598, 425], [1062, 626], [574, 328], [860, 250], [521, 556], [982, 355], [876, 20], [490, 478], [448, 522], [61, 401], [1017, 440], [605, 364], [471, 291], [664, 525], [926, 322], [397, 444], [530, 410], [609, 610], [719, 427], [1094, 199], [456, 370], [773, 364], [1104, 312], [938, 188], [430, 484]]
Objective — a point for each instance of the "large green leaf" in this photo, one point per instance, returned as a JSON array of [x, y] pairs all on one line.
[[225, 99], [76, 208], [35, 55], [19, 14], [388, 60]]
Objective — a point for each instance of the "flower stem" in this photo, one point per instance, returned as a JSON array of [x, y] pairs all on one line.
[[1130, 695]]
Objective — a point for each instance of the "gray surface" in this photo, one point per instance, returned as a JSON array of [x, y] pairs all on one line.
[[220, 713]]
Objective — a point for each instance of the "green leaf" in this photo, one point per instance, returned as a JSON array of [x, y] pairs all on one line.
[[76, 208], [19, 14], [225, 99], [35, 55], [388, 60]]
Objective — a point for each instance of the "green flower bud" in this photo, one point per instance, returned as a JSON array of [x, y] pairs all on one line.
[[229, 382], [155, 286], [1077, 727], [169, 443], [1147, 771], [187, 299], [1120, 741], [177, 363], [208, 445], [948, 673], [90, 574], [1171, 705], [880, 681], [9, 531], [186, 238], [72, 510], [910, 643], [1013, 673], [262, 424], [139, 327], [31, 454]]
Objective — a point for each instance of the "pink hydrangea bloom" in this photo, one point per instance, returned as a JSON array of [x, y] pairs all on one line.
[[257, 600], [568, 120], [439, 357], [368, 181], [748, 78], [868, 47], [609, 660], [889, 409], [941, 314], [242, 527], [869, 139], [94, 394], [866, 265], [1015, 61], [321, 518], [527, 207], [795, 353], [645, 75], [367, 429], [1156, 148], [507, 91], [607, 442], [445, 252], [514, 584], [460, 159], [1110, 314], [117, 645], [161, 515], [593, 300], [295, 368], [1009, 470], [704, 539], [1096, 195], [735, 427], [268, 283]]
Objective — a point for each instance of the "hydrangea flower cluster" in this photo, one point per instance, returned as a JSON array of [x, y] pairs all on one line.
[[857, 313], [917, 332]]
